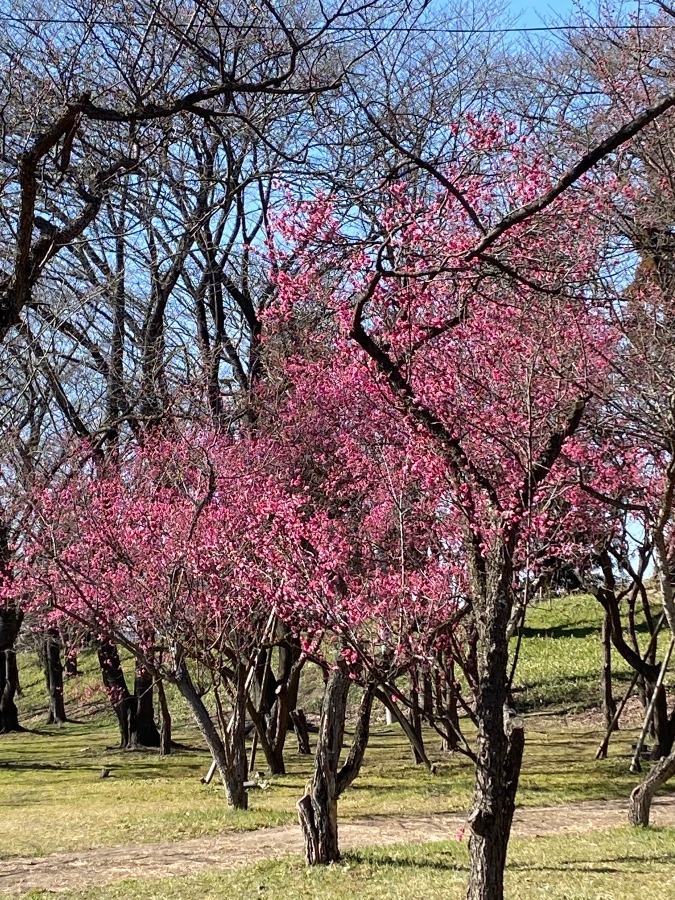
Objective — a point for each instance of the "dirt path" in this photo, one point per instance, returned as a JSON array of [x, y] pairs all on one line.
[[106, 865]]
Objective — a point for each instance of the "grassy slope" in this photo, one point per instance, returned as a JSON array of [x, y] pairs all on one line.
[[52, 796], [561, 656]]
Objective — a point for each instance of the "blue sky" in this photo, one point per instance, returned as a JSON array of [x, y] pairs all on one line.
[[534, 13], [537, 12]]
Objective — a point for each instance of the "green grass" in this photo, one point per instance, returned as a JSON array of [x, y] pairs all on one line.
[[621, 864], [561, 655], [52, 797]]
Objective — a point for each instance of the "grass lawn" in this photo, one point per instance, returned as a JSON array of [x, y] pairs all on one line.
[[561, 655], [52, 796], [621, 864]]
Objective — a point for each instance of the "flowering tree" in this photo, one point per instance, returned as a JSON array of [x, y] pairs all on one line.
[[385, 590], [484, 350], [153, 554]]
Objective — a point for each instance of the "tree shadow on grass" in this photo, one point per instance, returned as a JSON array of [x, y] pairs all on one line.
[[642, 865], [401, 862], [561, 631], [572, 631]]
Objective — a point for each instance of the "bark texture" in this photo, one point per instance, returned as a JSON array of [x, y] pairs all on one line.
[[642, 796], [317, 809], [500, 740]]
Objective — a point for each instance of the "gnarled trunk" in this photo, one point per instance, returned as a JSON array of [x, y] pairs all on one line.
[[500, 745], [642, 796], [317, 809]]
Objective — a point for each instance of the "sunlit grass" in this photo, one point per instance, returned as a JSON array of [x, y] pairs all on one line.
[[621, 864], [53, 798]]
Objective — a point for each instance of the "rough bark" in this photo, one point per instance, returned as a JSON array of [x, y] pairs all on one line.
[[317, 809], [642, 796], [500, 742]]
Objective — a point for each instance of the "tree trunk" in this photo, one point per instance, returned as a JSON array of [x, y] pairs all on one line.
[[500, 744], [608, 702], [661, 724], [165, 721], [146, 728], [417, 747], [230, 766], [299, 721], [71, 663], [285, 700], [123, 703], [277, 730], [237, 758], [50, 653], [446, 706], [642, 796], [428, 693], [10, 625], [9, 679], [317, 810], [415, 739]]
